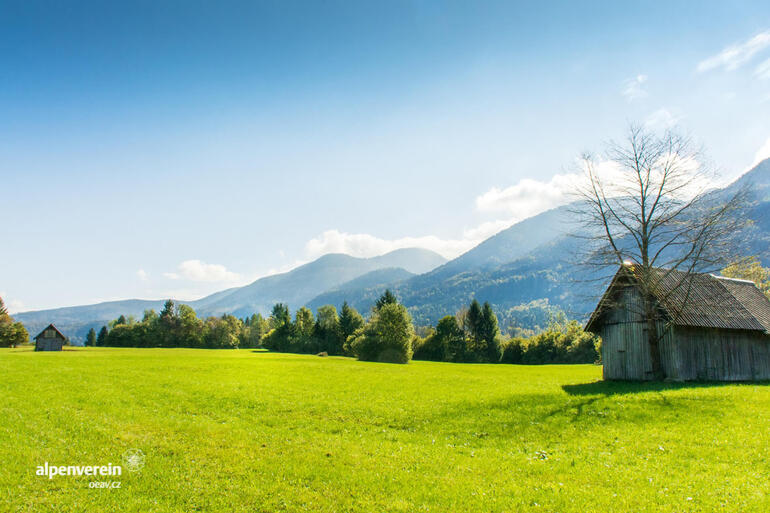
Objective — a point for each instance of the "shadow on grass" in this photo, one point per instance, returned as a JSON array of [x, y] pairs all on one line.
[[633, 387]]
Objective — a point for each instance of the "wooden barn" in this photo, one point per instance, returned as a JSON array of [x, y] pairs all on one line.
[[50, 339], [712, 328]]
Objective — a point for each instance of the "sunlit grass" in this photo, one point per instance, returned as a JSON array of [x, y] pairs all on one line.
[[255, 431]]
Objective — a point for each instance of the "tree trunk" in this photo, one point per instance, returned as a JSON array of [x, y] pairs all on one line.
[[653, 340]]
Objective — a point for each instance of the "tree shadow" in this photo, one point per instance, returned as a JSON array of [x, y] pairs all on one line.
[[577, 407], [608, 388]]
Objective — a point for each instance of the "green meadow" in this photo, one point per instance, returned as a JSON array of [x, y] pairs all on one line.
[[243, 430]]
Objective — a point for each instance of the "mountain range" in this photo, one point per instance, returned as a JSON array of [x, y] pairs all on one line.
[[296, 288], [524, 271]]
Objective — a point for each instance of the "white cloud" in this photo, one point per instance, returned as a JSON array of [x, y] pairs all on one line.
[[632, 88], [366, 245], [142, 274], [762, 71], [736, 55], [530, 197], [195, 270], [487, 229], [661, 119]]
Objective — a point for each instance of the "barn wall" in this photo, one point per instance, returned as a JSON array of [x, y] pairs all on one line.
[[625, 352], [722, 355], [48, 344], [686, 353], [625, 349]]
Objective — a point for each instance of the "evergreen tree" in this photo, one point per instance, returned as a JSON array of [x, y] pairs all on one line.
[[280, 316], [3, 309], [474, 320], [168, 324], [101, 338], [91, 338], [279, 338], [489, 333], [350, 321], [388, 298], [482, 333]]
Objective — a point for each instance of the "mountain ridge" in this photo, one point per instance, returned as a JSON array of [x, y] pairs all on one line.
[[295, 287]]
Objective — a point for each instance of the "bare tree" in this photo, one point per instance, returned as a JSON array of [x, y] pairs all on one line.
[[649, 205]]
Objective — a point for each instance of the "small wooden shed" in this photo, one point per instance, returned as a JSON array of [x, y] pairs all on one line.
[[712, 328], [50, 339]]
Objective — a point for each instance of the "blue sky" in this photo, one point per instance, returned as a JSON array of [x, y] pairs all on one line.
[[156, 149]]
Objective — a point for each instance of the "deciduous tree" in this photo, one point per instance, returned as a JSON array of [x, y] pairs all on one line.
[[750, 268], [646, 204]]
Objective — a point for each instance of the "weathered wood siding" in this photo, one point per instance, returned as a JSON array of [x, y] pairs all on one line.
[[48, 344], [687, 353], [721, 355], [625, 351]]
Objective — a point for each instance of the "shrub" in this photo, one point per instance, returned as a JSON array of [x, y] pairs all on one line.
[[564, 342], [432, 348], [387, 337], [513, 350]]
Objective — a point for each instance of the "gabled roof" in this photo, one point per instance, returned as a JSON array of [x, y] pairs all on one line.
[[697, 299], [51, 327]]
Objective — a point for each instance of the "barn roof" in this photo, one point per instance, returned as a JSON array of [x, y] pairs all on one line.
[[51, 327], [698, 300]]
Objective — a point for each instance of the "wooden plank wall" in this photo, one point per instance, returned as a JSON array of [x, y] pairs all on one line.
[[722, 355], [625, 351]]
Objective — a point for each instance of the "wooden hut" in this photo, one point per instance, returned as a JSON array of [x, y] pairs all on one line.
[[50, 339], [710, 328]]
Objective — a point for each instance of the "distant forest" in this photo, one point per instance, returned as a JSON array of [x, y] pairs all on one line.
[[471, 335]]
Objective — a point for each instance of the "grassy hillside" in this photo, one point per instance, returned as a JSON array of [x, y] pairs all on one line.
[[254, 431]]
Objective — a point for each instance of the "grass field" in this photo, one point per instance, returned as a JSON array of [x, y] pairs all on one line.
[[250, 431]]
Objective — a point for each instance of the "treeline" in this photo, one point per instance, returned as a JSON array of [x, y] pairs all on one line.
[[386, 336], [179, 326], [472, 335], [564, 341]]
